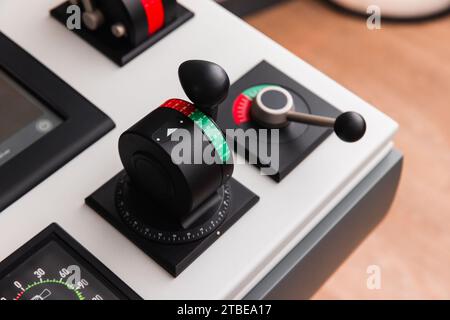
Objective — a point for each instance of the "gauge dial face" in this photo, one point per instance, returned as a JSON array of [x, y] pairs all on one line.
[[52, 273]]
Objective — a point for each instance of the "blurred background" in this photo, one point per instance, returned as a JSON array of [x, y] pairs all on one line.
[[402, 68]]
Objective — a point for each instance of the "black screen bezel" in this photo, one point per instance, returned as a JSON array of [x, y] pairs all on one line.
[[55, 233], [83, 124]]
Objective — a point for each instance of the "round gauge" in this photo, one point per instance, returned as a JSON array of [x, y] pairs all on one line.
[[144, 217], [53, 272]]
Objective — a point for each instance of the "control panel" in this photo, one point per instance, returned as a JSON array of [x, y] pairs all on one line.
[[170, 201]]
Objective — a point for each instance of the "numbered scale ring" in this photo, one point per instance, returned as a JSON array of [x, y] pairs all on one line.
[[136, 211]]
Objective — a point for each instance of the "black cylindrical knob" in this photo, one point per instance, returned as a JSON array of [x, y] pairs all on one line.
[[146, 151]]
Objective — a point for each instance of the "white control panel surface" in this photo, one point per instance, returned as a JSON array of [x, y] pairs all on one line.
[[286, 212]]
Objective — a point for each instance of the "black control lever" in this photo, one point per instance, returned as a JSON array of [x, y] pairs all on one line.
[[205, 83], [274, 108]]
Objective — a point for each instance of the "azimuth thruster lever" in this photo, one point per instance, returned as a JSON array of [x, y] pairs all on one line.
[[176, 194], [274, 108], [147, 150]]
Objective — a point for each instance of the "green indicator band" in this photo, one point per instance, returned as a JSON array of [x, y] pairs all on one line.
[[59, 282], [202, 121], [213, 133], [252, 92]]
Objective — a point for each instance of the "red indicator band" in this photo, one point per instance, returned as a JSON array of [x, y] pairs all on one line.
[[181, 106], [154, 9], [241, 109]]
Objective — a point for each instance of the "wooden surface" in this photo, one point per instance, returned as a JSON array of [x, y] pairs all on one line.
[[404, 70]]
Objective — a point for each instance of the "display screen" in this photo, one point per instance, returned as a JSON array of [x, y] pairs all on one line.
[[23, 119], [54, 273]]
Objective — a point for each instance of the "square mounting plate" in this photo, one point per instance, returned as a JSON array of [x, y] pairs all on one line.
[[119, 50], [296, 141], [174, 258]]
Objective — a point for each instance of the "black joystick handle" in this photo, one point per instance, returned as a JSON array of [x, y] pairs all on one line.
[[349, 126], [205, 83]]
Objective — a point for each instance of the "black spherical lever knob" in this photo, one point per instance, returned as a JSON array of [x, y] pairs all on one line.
[[205, 83], [350, 126]]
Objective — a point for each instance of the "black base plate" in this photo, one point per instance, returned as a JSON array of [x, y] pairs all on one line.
[[173, 257], [297, 141], [119, 50]]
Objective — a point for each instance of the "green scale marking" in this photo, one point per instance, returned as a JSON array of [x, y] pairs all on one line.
[[210, 129], [202, 121], [252, 92], [54, 281]]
